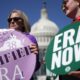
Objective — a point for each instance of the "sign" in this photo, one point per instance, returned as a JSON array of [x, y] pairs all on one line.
[[63, 52], [16, 60]]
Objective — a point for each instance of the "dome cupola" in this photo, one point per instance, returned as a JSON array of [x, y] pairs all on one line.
[[44, 29]]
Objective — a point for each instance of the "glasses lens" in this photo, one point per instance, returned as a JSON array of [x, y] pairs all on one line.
[[9, 20], [14, 19]]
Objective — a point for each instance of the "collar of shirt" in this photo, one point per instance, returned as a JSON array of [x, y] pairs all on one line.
[[78, 18]]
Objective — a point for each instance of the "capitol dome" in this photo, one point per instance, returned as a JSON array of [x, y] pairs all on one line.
[[44, 29]]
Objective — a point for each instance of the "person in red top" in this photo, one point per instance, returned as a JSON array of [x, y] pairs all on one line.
[[72, 10]]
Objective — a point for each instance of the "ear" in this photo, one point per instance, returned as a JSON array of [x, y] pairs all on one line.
[[78, 3]]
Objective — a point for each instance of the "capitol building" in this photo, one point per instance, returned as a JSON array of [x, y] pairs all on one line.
[[44, 30]]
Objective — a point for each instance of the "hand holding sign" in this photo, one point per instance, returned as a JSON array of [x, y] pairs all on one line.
[[16, 60], [63, 53]]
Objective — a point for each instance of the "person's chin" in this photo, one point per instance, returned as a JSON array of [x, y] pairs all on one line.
[[12, 27], [71, 14], [67, 12]]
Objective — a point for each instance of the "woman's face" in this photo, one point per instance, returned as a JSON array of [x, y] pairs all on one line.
[[70, 8], [15, 21]]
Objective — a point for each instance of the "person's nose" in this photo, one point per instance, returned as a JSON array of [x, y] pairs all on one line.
[[12, 21]]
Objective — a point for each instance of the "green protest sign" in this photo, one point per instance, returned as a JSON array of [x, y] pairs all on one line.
[[63, 52]]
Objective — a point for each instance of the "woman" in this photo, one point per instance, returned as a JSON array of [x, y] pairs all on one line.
[[72, 9], [19, 21]]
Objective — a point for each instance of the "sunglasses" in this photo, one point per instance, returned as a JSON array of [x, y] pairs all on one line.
[[65, 1], [64, 5], [15, 19]]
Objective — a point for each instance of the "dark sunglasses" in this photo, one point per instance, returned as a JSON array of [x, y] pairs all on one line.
[[15, 19], [65, 1], [63, 4]]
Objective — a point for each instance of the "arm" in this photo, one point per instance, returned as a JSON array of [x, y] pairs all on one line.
[[35, 49], [75, 73]]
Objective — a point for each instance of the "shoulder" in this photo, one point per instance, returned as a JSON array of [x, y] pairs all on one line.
[[31, 37]]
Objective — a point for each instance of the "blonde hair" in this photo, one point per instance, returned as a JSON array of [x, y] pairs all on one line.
[[26, 23]]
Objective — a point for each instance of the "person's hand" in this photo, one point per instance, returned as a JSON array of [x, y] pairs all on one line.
[[75, 73], [34, 48]]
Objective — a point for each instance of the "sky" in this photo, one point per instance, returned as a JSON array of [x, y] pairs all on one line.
[[32, 8]]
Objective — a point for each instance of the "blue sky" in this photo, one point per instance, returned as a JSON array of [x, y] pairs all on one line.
[[32, 9]]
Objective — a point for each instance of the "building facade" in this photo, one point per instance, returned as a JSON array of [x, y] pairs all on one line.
[[44, 29]]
